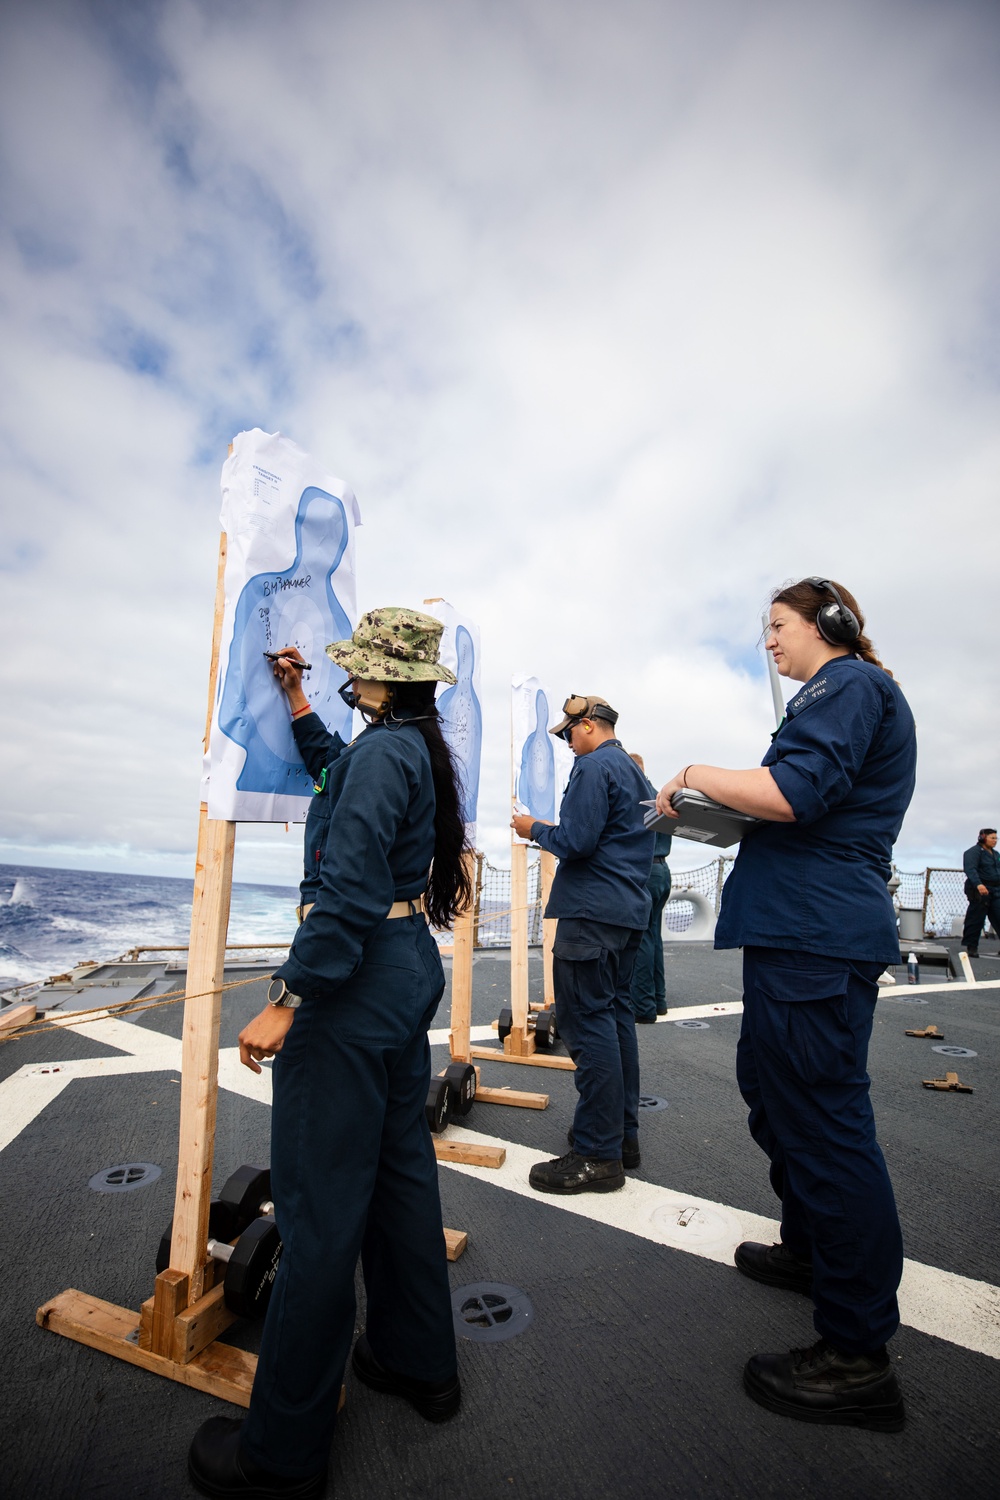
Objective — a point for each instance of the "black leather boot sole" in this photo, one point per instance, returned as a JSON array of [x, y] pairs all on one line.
[[821, 1386], [216, 1469], [773, 1265], [434, 1402]]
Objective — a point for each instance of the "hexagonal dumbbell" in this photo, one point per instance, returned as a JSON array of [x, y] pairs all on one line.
[[461, 1081], [546, 1032], [243, 1209], [438, 1101]]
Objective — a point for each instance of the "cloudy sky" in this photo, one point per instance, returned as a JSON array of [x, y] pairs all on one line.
[[613, 318]]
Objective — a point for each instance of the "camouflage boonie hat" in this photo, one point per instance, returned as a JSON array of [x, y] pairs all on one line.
[[393, 645]]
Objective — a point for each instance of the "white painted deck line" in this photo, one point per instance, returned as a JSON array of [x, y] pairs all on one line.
[[954, 1308], [439, 1036], [940, 1303]]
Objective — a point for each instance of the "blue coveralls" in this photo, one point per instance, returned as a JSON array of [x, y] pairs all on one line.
[[808, 902], [600, 898], [982, 867], [353, 1169], [649, 980]]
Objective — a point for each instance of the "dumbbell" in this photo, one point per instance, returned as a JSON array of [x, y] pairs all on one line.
[[461, 1081], [505, 1025], [450, 1095], [244, 1209], [546, 1031], [438, 1101]]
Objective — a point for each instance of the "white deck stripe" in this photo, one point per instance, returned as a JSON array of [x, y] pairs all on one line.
[[954, 1308], [940, 1303]]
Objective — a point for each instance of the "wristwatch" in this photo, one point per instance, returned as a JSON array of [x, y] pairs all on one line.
[[279, 994]]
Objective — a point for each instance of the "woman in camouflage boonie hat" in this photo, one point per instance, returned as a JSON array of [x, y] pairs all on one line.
[[393, 645]]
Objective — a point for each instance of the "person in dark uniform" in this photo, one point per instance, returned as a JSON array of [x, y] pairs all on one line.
[[808, 903], [600, 899], [982, 889], [353, 1170], [649, 981]]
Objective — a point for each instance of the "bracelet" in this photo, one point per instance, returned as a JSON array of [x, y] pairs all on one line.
[[300, 711], [684, 776]]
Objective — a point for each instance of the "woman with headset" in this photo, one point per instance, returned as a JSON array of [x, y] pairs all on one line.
[[353, 1170], [808, 903]]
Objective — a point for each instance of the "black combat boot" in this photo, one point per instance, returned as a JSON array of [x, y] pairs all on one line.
[[774, 1266], [577, 1174], [822, 1385]]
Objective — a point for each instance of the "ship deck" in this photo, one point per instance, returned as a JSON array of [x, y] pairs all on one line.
[[627, 1381]]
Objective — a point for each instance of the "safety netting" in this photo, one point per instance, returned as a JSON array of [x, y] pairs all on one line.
[[936, 892]]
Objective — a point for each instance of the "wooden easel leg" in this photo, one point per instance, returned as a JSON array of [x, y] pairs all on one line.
[[461, 976]]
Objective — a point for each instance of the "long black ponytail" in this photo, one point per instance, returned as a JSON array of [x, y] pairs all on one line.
[[449, 889]]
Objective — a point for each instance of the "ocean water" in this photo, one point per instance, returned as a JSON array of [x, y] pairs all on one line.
[[53, 919]]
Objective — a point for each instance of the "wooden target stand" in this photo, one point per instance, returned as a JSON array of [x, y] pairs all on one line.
[[176, 1331], [519, 1045]]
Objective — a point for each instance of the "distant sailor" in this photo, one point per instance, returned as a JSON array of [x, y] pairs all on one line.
[[982, 889], [353, 1169], [808, 903], [600, 898]]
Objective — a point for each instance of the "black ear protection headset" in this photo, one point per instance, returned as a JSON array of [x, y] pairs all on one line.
[[835, 622]]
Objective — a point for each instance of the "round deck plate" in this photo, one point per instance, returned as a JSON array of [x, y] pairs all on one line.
[[651, 1102], [125, 1178], [679, 1221], [693, 1025], [947, 1051], [488, 1312]]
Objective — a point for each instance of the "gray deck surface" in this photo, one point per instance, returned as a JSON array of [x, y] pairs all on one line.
[[628, 1382]]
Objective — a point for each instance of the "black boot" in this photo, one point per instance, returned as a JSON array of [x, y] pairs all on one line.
[[822, 1385], [630, 1152], [774, 1266], [577, 1174], [435, 1400], [216, 1468]]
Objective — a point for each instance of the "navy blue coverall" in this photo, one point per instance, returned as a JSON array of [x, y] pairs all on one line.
[[600, 898], [649, 980], [353, 1170], [809, 904], [982, 867]]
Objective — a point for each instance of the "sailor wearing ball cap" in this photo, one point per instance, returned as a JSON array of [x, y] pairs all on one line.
[[600, 898]]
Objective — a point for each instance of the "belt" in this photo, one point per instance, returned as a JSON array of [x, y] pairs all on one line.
[[659, 859], [409, 908]]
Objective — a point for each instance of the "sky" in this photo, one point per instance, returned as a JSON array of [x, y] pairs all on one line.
[[614, 318]]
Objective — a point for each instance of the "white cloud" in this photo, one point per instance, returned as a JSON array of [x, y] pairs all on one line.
[[612, 318]]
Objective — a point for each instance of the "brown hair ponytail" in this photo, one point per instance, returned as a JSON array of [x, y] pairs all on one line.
[[807, 600]]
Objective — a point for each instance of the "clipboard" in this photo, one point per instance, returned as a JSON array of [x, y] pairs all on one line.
[[701, 819]]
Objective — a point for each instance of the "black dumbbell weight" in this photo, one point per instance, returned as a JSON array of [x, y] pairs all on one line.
[[545, 1030], [251, 1265], [436, 1108], [245, 1196], [461, 1081], [244, 1193], [505, 1025]]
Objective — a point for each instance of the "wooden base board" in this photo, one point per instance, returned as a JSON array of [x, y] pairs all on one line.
[[455, 1242], [537, 1059], [18, 1015], [469, 1154], [485, 1094], [219, 1370]]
